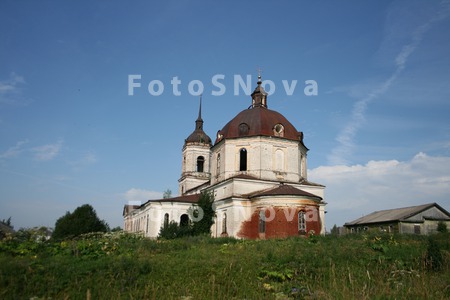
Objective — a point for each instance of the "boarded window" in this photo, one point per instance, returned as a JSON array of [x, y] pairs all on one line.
[[243, 129], [279, 160], [262, 221], [301, 222], [416, 228]]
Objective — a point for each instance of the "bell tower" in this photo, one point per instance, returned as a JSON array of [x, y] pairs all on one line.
[[195, 157]]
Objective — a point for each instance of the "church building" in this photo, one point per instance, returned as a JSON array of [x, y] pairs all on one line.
[[257, 171]]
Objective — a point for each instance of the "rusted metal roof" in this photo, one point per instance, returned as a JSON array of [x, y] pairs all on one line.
[[181, 199], [283, 190], [390, 215], [257, 121], [199, 136]]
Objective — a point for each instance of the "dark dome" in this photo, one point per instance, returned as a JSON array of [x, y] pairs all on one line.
[[257, 121], [198, 136]]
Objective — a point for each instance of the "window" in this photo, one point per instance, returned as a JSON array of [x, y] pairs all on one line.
[[184, 220], [262, 221], [224, 223], [166, 220], [416, 228], [218, 164], [279, 160], [243, 160], [200, 163], [278, 130], [243, 129], [301, 222]]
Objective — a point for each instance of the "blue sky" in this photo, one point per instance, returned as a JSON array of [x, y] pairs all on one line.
[[378, 130]]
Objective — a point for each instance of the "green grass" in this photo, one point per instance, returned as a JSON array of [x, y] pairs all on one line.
[[128, 267]]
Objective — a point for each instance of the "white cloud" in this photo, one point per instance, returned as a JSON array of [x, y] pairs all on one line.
[[14, 150], [353, 191], [47, 152], [10, 89], [345, 138], [137, 196]]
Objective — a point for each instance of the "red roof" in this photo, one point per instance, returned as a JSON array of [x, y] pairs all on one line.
[[283, 190], [183, 199], [258, 121]]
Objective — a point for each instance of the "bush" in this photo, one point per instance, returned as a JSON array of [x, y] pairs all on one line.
[[173, 231], [442, 227], [83, 220], [434, 256]]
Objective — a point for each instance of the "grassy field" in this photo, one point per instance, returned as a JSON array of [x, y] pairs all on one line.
[[123, 266]]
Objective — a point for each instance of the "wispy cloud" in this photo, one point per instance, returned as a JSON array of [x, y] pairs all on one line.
[[360, 189], [345, 138], [47, 152], [10, 90], [14, 151], [88, 158]]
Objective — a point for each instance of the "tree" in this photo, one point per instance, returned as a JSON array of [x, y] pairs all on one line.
[[7, 222], [167, 194], [203, 214], [83, 220], [116, 229], [335, 230]]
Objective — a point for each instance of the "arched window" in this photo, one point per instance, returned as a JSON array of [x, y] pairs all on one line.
[[224, 223], [301, 222], [200, 163], [218, 164], [184, 220], [262, 221], [243, 159], [279, 160], [166, 220]]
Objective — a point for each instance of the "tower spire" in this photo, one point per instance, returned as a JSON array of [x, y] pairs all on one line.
[[199, 121], [259, 76], [200, 109], [259, 95]]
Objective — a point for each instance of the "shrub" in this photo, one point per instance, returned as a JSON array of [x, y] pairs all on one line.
[[434, 256], [441, 227], [83, 220], [173, 230]]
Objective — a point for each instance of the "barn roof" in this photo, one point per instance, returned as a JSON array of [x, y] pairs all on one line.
[[397, 214]]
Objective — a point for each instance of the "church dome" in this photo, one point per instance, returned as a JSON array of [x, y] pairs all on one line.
[[258, 120], [199, 136]]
